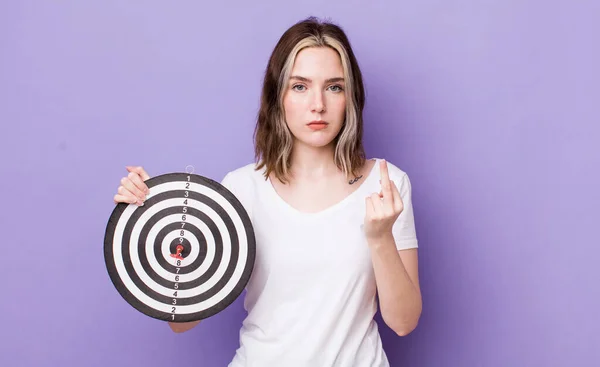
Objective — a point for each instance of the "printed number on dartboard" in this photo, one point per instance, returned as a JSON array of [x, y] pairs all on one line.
[[181, 237]]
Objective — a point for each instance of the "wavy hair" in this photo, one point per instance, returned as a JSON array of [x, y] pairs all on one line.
[[273, 140]]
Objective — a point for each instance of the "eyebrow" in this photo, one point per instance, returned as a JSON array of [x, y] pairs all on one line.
[[303, 79]]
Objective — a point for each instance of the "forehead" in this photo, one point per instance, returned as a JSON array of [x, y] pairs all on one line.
[[318, 62]]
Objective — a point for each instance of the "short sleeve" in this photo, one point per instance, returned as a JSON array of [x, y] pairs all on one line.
[[229, 183], [404, 229], [240, 186]]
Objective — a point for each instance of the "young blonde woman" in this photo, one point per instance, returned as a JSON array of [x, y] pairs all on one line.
[[333, 228]]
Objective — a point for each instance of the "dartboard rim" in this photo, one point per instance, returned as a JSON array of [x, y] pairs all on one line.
[[237, 290]]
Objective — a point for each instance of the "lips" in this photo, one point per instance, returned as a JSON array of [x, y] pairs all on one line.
[[317, 125]]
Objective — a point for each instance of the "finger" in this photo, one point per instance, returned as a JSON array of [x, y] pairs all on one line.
[[386, 188], [387, 199], [377, 205], [137, 181], [129, 199], [383, 169], [128, 194], [398, 204], [369, 207], [130, 186], [140, 171]]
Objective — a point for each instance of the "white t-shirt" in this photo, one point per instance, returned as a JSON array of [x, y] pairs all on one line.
[[311, 298]]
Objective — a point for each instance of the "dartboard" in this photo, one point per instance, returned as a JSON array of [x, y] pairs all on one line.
[[186, 254]]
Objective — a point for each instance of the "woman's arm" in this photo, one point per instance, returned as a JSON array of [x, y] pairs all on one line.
[[181, 327], [396, 274]]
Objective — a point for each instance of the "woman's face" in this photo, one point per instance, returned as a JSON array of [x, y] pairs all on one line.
[[315, 100]]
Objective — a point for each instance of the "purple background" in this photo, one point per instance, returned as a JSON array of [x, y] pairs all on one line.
[[490, 106]]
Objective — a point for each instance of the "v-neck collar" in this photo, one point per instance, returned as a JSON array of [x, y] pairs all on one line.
[[373, 173]]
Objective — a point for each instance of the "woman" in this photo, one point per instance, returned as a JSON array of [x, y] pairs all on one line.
[[333, 229]]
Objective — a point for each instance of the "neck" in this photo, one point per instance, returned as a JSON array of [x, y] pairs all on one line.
[[307, 161]]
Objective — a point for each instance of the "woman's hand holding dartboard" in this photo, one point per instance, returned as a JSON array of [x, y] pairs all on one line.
[[178, 247], [133, 190]]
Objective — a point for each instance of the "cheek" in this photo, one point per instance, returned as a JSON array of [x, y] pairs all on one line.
[[337, 106], [295, 107]]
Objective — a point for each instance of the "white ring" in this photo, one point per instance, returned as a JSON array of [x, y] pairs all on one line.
[[221, 294]]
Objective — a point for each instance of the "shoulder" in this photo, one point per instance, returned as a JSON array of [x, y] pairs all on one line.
[[242, 182], [396, 174], [243, 175], [395, 171]]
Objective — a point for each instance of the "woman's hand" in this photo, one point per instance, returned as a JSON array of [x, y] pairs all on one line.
[[382, 209], [133, 190]]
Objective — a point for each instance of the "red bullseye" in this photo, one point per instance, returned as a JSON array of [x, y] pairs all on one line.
[[177, 255]]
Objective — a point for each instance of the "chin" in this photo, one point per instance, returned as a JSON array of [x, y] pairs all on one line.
[[316, 141]]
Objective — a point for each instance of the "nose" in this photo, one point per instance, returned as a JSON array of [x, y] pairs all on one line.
[[318, 102]]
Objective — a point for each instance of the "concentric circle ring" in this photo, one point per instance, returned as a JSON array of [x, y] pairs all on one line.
[[214, 237]]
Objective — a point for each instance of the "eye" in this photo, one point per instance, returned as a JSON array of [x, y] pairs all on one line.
[[336, 88], [298, 86]]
